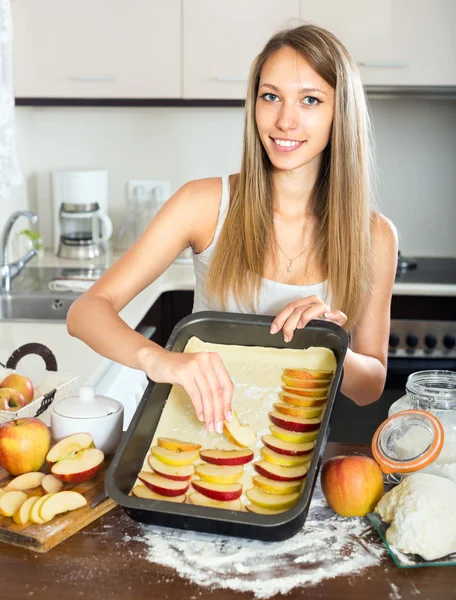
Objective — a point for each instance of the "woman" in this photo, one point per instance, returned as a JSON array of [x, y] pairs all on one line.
[[292, 235]]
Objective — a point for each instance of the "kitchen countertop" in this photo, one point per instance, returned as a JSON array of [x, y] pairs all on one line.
[[108, 560]]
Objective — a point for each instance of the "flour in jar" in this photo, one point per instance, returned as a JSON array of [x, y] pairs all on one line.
[[327, 546]]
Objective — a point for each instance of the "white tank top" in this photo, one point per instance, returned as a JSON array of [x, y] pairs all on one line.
[[273, 297]]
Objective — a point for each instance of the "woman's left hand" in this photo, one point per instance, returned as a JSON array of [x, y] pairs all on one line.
[[297, 314]]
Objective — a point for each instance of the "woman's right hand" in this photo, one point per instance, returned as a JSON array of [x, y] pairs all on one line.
[[202, 375]]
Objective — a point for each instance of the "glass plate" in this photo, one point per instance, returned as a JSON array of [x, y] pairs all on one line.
[[407, 561]]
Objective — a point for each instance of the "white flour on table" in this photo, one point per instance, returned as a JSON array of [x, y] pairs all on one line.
[[327, 546]]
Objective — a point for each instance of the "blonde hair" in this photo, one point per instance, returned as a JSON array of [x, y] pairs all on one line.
[[340, 198]]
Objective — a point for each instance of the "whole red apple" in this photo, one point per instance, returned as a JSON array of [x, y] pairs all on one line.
[[352, 485], [24, 444], [11, 399], [21, 383]]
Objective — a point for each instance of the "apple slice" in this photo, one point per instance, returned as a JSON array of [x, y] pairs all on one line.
[[301, 390], [294, 437], [227, 457], [303, 412], [259, 510], [22, 514], [182, 473], [307, 374], [142, 491], [82, 466], [51, 485], [176, 459], [201, 500], [34, 515], [59, 503], [288, 448], [26, 481], [11, 501], [294, 423], [280, 473], [241, 435], [177, 445], [68, 446], [217, 491], [297, 400], [284, 459], [163, 485], [272, 486], [218, 474], [272, 501]]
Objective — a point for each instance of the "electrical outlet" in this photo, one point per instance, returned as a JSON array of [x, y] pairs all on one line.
[[146, 190]]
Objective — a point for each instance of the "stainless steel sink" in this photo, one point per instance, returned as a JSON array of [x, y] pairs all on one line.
[[31, 300]]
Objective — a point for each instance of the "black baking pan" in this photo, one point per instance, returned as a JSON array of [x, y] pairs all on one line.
[[225, 328]]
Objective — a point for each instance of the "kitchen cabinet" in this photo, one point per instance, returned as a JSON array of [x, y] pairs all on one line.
[[394, 42], [101, 49], [221, 39]]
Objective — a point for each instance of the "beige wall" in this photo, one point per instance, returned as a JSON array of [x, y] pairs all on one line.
[[415, 144]]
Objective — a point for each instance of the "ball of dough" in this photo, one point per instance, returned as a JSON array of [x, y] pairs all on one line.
[[421, 510]]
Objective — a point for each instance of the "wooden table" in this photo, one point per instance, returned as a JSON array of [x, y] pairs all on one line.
[[96, 563]]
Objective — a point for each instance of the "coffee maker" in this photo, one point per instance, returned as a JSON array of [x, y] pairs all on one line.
[[82, 228]]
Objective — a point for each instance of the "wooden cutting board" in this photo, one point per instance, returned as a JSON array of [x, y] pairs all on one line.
[[42, 538]]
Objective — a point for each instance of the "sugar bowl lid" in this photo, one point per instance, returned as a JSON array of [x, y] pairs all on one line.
[[86, 405], [408, 441]]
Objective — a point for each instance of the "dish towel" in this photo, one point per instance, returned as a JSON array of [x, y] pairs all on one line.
[[70, 285], [9, 166]]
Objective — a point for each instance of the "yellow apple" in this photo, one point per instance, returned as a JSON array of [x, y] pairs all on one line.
[[24, 444], [20, 383]]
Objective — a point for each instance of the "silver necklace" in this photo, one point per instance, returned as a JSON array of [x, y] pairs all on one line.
[[290, 260]]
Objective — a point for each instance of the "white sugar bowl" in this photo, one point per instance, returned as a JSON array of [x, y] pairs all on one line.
[[100, 416]]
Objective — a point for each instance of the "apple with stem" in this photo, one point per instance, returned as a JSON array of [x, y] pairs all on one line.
[[24, 444], [21, 383]]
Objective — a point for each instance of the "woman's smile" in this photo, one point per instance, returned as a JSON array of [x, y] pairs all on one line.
[[286, 145]]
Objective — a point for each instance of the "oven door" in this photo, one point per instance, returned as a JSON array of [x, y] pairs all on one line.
[[357, 424]]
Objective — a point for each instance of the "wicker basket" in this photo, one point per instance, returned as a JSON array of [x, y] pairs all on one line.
[[55, 385]]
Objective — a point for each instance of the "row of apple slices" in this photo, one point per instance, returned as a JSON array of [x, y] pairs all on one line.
[[38, 509]]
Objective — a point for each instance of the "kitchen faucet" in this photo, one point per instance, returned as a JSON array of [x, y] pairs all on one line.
[[9, 271]]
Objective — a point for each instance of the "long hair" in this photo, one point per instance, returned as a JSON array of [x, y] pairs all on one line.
[[340, 198]]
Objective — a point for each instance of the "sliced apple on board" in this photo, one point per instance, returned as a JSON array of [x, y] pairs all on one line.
[[219, 474], [298, 400], [216, 491], [294, 423], [59, 503], [50, 484], [34, 515], [276, 487], [201, 500], [82, 466], [69, 446], [294, 437], [176, 459], [22, 514], [284, 459], [259, 510], [142, 491], [11, 501], [272, 501], [307, 374], [177, 445], [26, 481], [288, 448], [179, 473], [162, 485], [305, 392], [279, 472], [241, 435], [305, 412], [227, 457]]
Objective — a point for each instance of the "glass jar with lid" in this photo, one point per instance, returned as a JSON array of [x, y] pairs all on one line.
[[420, 432]]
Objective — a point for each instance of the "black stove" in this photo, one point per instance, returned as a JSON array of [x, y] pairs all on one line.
[[426, 270]]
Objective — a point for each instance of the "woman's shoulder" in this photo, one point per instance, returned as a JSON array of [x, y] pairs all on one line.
[[383, 231]]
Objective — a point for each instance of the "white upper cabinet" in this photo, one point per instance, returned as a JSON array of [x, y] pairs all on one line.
[[97, 48], [395, 42], [222, 37]]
